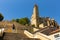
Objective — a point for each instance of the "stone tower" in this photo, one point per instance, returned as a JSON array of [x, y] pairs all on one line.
[[35, 16]]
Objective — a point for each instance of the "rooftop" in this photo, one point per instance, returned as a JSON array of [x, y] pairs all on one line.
[[49, 30]]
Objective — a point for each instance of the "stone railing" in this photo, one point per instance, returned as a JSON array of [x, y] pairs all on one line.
[[36, 35], [41, 36], [1, 32], [28, 34]]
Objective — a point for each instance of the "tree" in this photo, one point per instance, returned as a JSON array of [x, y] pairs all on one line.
[[13, 20], [17, 20], [33, 25], [24, 21], [1, 17]]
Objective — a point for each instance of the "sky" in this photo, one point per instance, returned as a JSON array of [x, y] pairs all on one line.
[[12, 9]]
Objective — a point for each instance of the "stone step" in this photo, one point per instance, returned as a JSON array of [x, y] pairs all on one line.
[[16, 36]]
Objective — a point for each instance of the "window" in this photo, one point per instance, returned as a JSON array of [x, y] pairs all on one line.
[[56, 36]]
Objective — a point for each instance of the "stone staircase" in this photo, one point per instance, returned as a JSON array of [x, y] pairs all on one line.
[[19, 35], [15, 36]]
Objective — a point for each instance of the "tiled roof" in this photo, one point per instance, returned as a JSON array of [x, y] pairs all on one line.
[[48, 30]]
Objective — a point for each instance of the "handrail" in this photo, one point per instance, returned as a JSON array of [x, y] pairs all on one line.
[[28, 34], [43, 35]]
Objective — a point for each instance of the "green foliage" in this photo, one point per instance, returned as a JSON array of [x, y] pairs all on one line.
[[33, 25], [17, 20], [24, 21], [13, 20], [1, 17], [30, 29]]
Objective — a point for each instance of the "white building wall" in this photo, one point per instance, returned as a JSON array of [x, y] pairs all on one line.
[[52, 37]]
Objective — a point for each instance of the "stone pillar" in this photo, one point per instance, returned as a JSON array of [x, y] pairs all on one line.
[[48, 21]]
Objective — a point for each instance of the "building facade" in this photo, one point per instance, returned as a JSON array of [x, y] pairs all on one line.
[[41, 22]]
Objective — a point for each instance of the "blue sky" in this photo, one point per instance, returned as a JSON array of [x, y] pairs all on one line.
[[12, 9]]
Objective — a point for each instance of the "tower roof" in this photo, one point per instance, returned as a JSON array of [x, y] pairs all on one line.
[[35, 5]]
